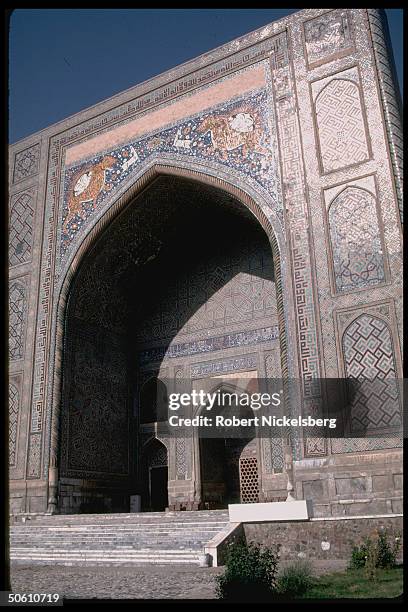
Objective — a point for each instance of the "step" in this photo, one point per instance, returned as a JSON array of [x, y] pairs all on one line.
[[118, 528], [103, 561], [119, 539], [123, 517], [168, 552]]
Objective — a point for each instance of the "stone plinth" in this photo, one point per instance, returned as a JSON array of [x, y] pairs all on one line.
[[270, 512]]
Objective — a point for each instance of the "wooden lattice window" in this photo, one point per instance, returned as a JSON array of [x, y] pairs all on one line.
[[249, 483]]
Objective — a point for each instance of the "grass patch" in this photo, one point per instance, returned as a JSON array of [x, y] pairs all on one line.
[[354, 584]]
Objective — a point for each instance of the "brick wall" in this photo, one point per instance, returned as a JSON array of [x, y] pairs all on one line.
[[320, 538]]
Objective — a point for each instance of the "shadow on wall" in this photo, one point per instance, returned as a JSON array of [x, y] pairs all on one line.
[[184, 257]]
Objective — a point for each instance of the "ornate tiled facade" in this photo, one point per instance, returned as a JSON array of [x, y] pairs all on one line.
[[284, 145]]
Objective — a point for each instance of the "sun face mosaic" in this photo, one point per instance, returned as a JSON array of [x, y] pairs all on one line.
[[234, 134]]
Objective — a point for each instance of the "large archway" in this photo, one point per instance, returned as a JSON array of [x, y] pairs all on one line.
[[174, 225]]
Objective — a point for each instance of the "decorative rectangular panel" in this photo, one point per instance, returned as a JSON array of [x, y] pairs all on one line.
[[354, 229], [26, 163], [327, 36], [340, 121], [18, 295], [21, 226]]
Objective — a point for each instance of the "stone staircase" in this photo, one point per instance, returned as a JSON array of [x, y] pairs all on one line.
[[115, 539]]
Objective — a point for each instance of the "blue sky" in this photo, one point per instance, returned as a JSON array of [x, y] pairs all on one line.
[[62, 61]]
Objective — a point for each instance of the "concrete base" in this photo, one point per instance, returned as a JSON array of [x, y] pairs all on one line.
[[216, 548], [273, 511]]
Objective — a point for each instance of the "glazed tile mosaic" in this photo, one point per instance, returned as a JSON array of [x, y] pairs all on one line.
[[236, 135]]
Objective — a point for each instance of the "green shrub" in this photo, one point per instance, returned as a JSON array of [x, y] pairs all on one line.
[[377, 551], [296, 579], [387, 553], [371, 562], [250, 573], [359, 556]]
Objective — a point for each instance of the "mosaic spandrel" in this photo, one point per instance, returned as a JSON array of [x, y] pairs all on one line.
[[236, 135]]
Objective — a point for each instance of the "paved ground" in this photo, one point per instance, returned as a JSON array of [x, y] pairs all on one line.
[[142, 582], [152, 582]]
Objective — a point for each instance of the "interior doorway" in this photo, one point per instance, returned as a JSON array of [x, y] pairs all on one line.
[[229, 466], [158, 487], [155, 477]]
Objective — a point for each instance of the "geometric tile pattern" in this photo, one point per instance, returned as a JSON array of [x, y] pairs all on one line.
[[277, 455], [181, 466], [355, 238], [26, 163], [357, 445], [21, 230], [14, 407], [369, 363], [212, 296], [95, 411], [297, 219], [368, 348], [273, 448], [340, 125], [17, 319], [34, 456], [266, 455], [327, 35]]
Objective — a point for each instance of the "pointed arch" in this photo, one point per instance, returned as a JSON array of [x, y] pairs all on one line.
[[254, 202]]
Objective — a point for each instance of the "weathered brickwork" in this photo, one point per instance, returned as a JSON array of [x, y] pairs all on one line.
[[321, 539], [284, 147]]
